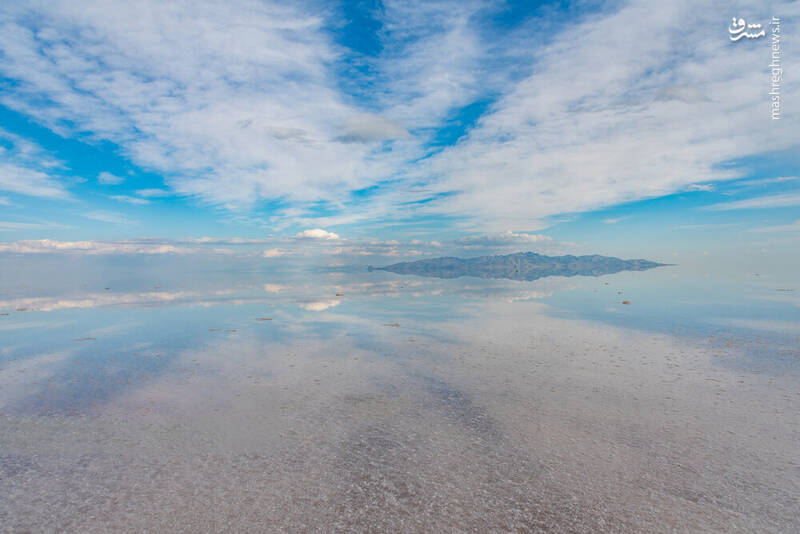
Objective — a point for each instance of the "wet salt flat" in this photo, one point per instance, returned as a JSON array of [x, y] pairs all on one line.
[[368, 402]]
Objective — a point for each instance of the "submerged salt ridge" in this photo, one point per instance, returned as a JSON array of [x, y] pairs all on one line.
[[480, 411]]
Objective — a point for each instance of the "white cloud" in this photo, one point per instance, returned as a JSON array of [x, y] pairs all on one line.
[[700, 187], [236, 102], [319, 305], [772, 201], [26, 169], [615, 220], [152, 193], [25, 181], [273, 253], [317, 233], [707, 226], [780, 228], [106, 178], [89, 247], [225, 240], [129, 199], [107, 217], [274, 288], [765, 181], [14, 225], [134, 246], [507, 238], [239, 102], [607, 117], [369, 127]]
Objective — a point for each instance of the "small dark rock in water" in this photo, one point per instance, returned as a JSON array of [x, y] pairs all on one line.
[[86, 339], [339, 294], [3, 314], [215, 329], [392, 324], [627, 302], [263, 318]]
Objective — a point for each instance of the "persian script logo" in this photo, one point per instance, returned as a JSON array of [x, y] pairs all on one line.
[[737, 30]]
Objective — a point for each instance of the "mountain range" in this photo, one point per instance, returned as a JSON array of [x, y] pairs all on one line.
[[518, 266]]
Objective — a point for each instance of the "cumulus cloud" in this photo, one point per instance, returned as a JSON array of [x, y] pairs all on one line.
[[317, 233]]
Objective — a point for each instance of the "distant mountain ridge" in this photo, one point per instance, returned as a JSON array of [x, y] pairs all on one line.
[[519, 266]]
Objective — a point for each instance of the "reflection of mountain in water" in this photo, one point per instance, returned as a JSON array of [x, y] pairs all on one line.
[[519, 266]]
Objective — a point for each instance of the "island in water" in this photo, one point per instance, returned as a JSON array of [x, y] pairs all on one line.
[[518, 266]]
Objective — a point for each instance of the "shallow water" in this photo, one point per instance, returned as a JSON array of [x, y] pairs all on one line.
[[190, 397]]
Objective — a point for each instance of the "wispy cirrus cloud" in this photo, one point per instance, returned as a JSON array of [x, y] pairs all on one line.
[[153, 193], [582, 132], [701, 187], [106, 178], [108, 217], [45, 246], [252, 101], [18, 225], [129, 199], [779, 228], [770, 201], [27, 169], [234, 103]]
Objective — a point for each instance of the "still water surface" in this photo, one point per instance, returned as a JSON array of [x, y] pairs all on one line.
[[193, 398]]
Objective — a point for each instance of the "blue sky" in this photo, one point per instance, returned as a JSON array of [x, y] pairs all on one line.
[[396, 129]]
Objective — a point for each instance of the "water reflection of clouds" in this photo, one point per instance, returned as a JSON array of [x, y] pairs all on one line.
[[408, 390], [304, 294], [319, 305]]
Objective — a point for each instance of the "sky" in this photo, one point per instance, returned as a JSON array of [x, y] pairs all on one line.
[[364, 131]]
